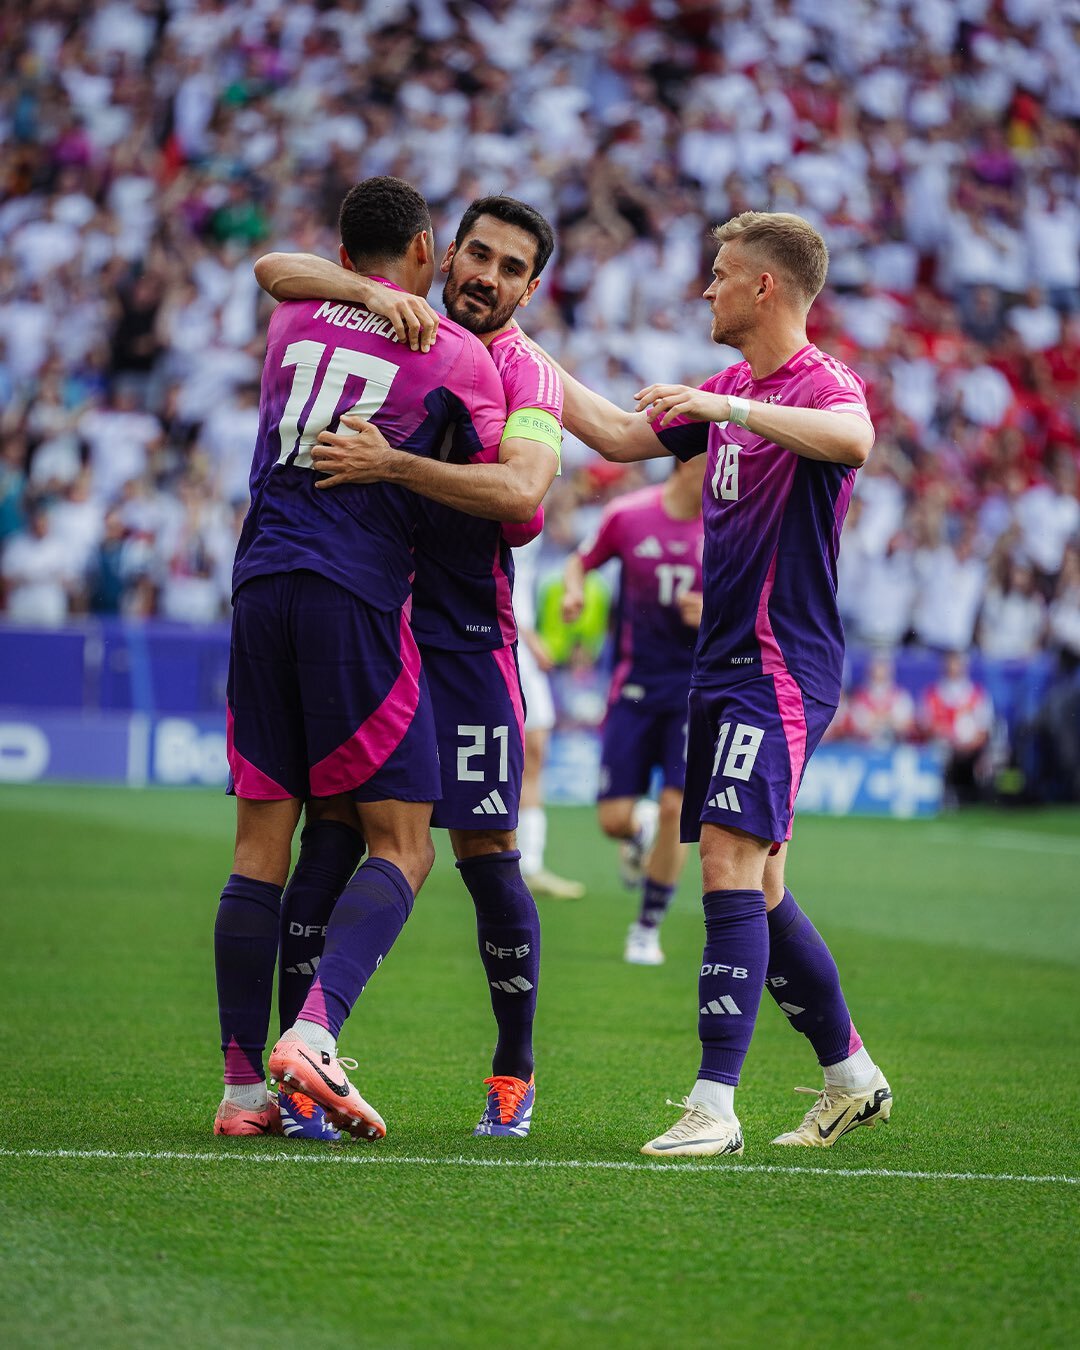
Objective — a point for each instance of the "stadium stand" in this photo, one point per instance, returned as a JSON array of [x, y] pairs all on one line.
[[151, 149]]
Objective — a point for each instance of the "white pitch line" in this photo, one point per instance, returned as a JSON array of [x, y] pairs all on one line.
[[350, 1158]]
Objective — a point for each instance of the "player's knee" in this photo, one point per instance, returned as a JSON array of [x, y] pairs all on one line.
[[341, 809], [482, 843], [615, 818], [670, 811]]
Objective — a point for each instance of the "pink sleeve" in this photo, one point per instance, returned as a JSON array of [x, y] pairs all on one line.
[[531, 381], [475, 381], [605, 545], [517, 535], [837, 389]]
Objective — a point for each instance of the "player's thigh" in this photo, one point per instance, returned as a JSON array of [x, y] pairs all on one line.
[[480, 725], [747, 749], [265, 738], [627, 751]]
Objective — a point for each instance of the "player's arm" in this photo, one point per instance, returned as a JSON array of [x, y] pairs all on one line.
[[622, 437], [509, 490], [573, 596], [817, 433], [690, 605], [304, 276], [593, 553]]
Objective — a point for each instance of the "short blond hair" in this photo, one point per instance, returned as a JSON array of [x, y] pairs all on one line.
[[787, 241]]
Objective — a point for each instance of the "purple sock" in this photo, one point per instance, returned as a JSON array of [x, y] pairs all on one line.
[[370, 913], [732, 977], [329, 854], [245, 953], [508, 931], [804, 981], [655, 903]]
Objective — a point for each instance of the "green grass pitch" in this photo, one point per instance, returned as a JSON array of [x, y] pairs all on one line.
[[124, 1222]]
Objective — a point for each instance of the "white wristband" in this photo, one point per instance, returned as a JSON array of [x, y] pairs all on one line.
[[740, 410]]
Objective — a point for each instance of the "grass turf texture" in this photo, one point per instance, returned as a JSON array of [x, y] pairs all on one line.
[[958, 942]]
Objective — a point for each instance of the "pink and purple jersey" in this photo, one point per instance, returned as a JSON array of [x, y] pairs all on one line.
[[462, 592], [324, 359], [661, 558], [772, 532]]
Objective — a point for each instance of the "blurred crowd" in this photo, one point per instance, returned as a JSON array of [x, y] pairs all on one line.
[[151, 149]]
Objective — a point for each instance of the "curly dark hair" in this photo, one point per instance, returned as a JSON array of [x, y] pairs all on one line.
[[512, 212], [378, 218]]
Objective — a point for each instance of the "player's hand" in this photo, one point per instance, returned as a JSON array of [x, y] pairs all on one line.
[[663, 402], [690, 603], [360, 454], [538, 647], [414, 321], [573, 602]]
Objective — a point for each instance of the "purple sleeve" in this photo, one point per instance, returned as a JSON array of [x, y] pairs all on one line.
[[686, 439]]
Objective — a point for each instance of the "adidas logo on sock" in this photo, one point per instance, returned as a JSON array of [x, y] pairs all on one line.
[[303, 967], [492, 805], [518, 985], [726, 801], [725, 1004]]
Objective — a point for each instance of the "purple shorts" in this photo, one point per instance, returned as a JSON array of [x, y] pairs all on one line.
[[480, 723], [636, 740], [747, 749], [325, 696]]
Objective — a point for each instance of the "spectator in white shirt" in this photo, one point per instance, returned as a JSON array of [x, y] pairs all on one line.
[[38, 574], [1013, 620]]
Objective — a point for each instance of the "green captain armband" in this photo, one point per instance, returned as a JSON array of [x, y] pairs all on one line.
[[533, 424]]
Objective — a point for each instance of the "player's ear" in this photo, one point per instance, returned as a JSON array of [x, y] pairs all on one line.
[[766, 285], [448, 257], [344, 259], [530, 291], [423, 247]]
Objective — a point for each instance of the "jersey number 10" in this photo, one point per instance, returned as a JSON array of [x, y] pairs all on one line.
[[306, 358]]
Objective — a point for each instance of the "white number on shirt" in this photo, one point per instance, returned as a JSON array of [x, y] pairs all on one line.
[[305, 357], [725, 482], [474, 742], [672, 580], [745, 745]]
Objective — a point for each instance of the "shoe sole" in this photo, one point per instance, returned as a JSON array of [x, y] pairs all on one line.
[[692, 1151]]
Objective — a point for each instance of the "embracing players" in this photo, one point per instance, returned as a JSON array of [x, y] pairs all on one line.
[[462, 615]]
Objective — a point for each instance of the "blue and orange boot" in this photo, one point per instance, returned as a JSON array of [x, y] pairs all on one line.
[[303, 1118], [508, 1113]]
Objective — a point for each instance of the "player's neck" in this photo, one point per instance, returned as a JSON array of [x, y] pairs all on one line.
[[768, 349], [681, 501], [488, 338]]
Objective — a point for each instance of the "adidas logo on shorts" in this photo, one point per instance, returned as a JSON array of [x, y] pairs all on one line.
[[492, 805]]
